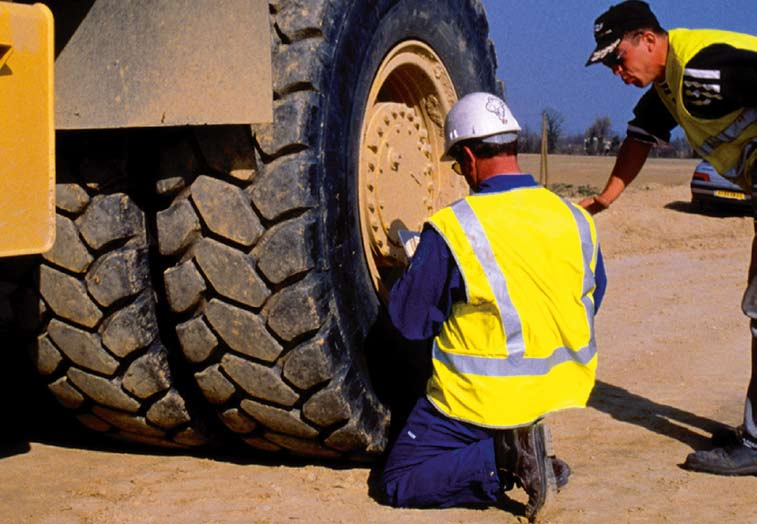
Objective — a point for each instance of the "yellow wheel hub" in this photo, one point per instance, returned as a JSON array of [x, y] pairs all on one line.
[[398, 155], [402, 180]]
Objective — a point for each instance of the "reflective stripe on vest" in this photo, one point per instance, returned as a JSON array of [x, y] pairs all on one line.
[[588, 248], [729, 134], [477, 238], [516, 364], [513, 367]]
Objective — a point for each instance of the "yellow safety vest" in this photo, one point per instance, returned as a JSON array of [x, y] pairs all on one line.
[[522, 343], [727, 142]]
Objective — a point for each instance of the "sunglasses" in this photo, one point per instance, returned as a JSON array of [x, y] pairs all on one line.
[[614, 59]]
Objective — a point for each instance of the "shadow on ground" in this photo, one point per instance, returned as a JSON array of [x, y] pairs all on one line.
[[711, 210], [665, 420]]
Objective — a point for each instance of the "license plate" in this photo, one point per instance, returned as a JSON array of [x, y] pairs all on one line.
[[730, 194]]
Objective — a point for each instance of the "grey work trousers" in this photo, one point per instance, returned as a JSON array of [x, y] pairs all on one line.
[[749, 306]]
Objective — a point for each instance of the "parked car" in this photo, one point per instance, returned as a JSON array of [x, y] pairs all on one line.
[[709, 187]]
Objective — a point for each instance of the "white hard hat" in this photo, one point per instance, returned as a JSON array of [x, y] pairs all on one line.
[[479, 115]]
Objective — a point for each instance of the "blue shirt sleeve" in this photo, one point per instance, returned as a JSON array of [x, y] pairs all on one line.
[[600, 278], [421, 300]]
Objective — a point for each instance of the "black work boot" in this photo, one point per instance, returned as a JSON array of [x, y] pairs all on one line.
[[535, 471], [525, 454], [506, 458], [734, 459]]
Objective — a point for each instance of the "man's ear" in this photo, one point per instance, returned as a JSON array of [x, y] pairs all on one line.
[[469, 155], [649, 39]]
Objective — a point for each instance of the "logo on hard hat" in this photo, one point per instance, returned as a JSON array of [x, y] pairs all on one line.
[[496, 106]]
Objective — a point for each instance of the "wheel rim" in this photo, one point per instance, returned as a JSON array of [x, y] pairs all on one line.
[[402, 179]]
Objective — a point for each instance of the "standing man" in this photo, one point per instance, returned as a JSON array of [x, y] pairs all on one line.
[[705, 81], [506, 282]]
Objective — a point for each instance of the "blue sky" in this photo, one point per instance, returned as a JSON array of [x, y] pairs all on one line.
[[542, 46]]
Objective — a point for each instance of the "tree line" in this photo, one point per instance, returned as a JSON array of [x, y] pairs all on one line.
[[598, 139]]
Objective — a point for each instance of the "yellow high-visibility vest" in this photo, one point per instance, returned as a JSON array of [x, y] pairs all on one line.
[[522, 343], [726, 142]]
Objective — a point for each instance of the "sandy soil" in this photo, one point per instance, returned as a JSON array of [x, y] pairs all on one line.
[[674, 364]]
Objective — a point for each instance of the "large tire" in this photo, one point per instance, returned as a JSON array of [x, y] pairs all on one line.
[[98, 344], [269, 273]]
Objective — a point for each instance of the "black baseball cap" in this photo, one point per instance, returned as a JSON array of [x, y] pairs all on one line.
[[613, 24]]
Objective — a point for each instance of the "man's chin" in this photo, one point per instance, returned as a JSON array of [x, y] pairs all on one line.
[[638, 83]]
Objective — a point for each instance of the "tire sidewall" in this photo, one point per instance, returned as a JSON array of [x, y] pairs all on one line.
[[365, 38]]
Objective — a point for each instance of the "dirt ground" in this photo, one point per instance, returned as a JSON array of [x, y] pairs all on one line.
[[673, 365]]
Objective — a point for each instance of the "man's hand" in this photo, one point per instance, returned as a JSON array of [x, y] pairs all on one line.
[[631, 157], [594, 204]]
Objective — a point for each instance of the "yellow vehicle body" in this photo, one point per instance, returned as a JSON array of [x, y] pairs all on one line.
[[27, 131]]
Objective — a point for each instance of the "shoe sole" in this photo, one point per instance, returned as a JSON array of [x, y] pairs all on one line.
[[543, 446], [730, 472]]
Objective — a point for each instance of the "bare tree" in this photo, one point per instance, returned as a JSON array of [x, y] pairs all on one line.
[[555, 121], [598, 136], [601, 127]]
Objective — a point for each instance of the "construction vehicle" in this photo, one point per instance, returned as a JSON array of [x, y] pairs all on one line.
[[230, 177]]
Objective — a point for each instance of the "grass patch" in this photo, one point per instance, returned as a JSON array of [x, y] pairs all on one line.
[[570, 190]]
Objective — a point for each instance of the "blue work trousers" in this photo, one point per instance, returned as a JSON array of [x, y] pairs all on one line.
[[440, 462]]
